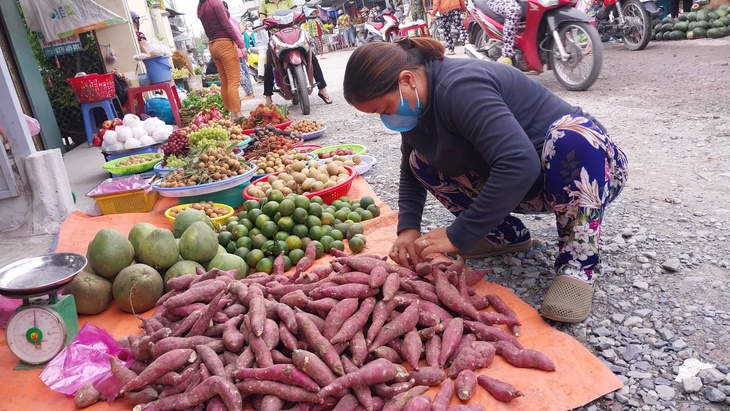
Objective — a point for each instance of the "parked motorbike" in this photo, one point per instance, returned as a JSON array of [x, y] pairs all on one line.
[[551, 33], [253, 61], [292, 53], [385, 30], [629, 20]]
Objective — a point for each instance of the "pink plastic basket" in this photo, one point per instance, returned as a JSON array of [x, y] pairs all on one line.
[[93, 87]]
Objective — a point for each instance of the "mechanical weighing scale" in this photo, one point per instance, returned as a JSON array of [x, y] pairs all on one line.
[[46, 322]]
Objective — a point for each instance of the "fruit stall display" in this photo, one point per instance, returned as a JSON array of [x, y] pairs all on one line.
[[199, 101], [263, 115], [131, 133], [706, 22]]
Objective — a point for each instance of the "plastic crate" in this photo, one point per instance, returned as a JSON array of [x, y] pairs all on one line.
[[231, 197], [93, 87], [139, 201], [327, 195]]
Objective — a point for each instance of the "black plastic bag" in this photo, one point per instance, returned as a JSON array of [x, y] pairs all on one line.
[[120, 86]]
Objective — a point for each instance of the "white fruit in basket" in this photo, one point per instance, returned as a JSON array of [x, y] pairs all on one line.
[[104, 146], [116, 146], [132, 121], [132, 143], [150, 125], [146, 140], [110, 137], [138, 133], [123, 133], [159, 122], [160, 135], [168, 129]]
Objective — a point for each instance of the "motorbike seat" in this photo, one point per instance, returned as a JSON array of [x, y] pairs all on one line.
[[482, 5], [377, 24]]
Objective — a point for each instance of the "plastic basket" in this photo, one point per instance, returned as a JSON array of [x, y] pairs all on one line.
[[328, 195], [111, 166], [356, 148], [306, 148], [139, 201], [159, 69], [93, 87], [218, 221], [314, 134], [367, 163], [230, 197]]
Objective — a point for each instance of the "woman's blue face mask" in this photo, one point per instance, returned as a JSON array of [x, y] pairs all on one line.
[[405, 117]]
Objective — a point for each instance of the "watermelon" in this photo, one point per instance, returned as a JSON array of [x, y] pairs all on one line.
[[725, 7], [676, 35], [656, 22], [668, 19], [715, 33], [701, 15], [681, 26], [708, 8], [717, 24], [653, 36], [691, 16], [703, 25], [699, 32], [725, 20], [690, 34], [691, 26], [712, 16], [667, 27], [721, 12], [682, 17], [659, 36]]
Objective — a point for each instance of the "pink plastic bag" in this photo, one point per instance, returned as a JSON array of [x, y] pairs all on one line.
[[86, 359], [33, 126]]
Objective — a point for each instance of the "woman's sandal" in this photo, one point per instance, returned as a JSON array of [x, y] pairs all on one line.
[[326, 100], [568, 300]]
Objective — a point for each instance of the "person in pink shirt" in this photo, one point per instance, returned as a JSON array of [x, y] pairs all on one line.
[[242, 55], [224, 44]]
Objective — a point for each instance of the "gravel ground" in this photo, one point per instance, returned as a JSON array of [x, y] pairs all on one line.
[[664, 298]]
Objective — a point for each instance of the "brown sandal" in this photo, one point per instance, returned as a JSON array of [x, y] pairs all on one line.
[[486, 248], [568, 300]]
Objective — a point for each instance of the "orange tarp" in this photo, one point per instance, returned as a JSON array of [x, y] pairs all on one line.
[[579, 379]]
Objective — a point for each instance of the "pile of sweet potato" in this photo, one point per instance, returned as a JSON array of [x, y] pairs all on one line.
[[332, 338]]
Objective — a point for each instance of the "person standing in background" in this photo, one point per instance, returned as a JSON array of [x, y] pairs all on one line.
[[242, 55], [451, 12], [344, 23], [141, 38], [249, 37], [224, 40], [315, 29], [674, 7], [375, 15], [417, 11]]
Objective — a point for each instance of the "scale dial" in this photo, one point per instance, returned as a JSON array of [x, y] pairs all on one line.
[[36, 334]]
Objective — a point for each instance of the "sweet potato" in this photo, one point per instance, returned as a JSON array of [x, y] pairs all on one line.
[[185, 310], [450, 297], [320, 345], [271, 333], [479, 302], [180, 283], [142, 397], [310, 364], [433, 349], [358, 348], [228, 357], [232, 337], [428, 376], [466, 384], [471, 358], [245, 360], [295, 298], [168, 361], [215, 404], [399, 401], [419, 403], [467, 407], [412, 348], [364, 264], [202, 392], [362, 392], [283, 391], [271, 403], [424, 269], [437, 310], [279, 358], [322, 272], [211, 360], [491, 318], [337, 316], [422, 290], [353, 277], [305, 263], [377, 277], [396, 344], [500, 390], [430, 332], [203, 322], [502, 308], [443, 396], [390, 286], [307, 278], [349, 291], [488, 333], [380, 315], [317, 320], [193, 295], [466, 341], [389, 354], [397, 327], [184, 325], [374, 372], [322, 305], [286, 315], [526, 358], [355, 322], [120, 371], [256, 311], [287, 374], [451, 339], [287, 338], [390, 391], [346, 403], [86, 396]]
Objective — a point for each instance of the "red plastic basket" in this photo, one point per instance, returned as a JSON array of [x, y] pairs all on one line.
[[93, 87], [328, 195]]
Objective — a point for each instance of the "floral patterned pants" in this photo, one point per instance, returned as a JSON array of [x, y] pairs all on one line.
[[584, 172], [452, 21]]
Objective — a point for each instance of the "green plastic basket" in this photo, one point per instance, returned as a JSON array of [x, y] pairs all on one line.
[[356, 148], [231, 197], [111, 166]]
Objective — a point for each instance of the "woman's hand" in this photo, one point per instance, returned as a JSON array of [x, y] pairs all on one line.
[[244, 52], [435, 241], [404, 248]]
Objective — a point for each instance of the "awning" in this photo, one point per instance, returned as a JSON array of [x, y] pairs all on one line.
[[58, 21], [173, 13]]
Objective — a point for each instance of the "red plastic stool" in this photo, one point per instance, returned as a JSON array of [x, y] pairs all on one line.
[[168, 88]]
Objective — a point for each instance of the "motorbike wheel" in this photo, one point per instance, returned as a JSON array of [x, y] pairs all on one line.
[[437, 32], [583, 44], [300, 78], [639, 22]]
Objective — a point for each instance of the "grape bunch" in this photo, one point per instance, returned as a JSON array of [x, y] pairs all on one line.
[[177, 145], [174, 161], [208, 136]]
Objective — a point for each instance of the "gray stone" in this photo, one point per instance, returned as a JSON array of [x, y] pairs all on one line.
[[602, 331], [610, 396], [638, 375], [642, 312], [679, 344], [725, 389], [592, 408], [666, 334], [618, 318], [642, 285], [631, 352], [672, 265], [692, 385], [647, 383], [711, 375], [651, 398], [642, 365], [512, 261], [632, 321], [714, 395], [688, 330], [642, 259], [666, 393], [608, 354], [662, 381], [621, 398], [727, 379]]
